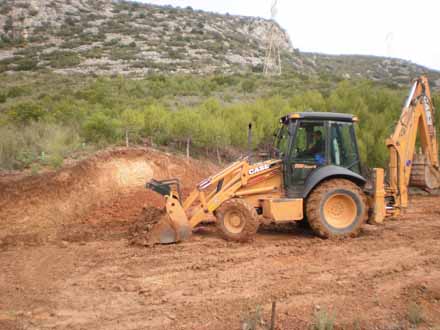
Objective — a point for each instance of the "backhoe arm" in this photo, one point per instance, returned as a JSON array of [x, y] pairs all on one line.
[[417, 119]]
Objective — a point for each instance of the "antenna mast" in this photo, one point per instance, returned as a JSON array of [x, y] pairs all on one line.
[[272, 61]]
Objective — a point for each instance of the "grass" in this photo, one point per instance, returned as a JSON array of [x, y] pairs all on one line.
[[254, 321], [36, 144], [323, 320], [415, 314]]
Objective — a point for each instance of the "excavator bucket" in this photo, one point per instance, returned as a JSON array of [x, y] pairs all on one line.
[[173, 226], [424, 175]]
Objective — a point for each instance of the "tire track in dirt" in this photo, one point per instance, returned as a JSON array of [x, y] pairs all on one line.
[[211, 284]]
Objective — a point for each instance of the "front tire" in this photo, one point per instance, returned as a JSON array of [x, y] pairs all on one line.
[[237, 220], [336, 208]]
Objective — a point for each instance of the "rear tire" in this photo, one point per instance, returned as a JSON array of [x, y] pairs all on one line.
[[336, 208], [237, 220]]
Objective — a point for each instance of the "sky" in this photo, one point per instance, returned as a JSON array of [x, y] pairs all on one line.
[[397, 28]]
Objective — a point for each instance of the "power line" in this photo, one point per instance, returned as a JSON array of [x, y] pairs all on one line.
[[272, 61]]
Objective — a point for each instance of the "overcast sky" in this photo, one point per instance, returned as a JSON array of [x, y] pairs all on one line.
[[397, 28]]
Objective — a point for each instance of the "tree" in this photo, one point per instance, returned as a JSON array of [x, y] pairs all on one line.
[[157, 124], [132, 122], [187, 127]]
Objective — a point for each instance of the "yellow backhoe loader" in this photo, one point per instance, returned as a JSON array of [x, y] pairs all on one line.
[[314, 176]]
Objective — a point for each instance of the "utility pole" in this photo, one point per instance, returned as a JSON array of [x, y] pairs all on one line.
[[272, 61]]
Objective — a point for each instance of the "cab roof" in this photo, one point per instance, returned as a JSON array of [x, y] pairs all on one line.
[[334, 116]]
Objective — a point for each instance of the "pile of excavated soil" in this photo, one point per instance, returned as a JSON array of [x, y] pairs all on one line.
[[83, 200]]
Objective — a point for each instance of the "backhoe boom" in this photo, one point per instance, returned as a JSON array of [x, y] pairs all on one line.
[[405, 169]]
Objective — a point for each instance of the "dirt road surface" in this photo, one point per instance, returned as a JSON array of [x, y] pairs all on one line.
[[87, 275]]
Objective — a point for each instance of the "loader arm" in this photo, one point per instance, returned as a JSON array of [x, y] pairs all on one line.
[[233, 181], [417, 119], [239, 180]]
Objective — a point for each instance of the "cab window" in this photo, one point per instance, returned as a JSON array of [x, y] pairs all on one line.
[[309, 146], [343, 146], [282, 143]]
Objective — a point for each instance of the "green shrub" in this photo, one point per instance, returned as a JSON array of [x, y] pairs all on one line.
[[26, 64], [26, 112], [17, 91], [248, 86], [63, 59], [101, 128], [123, 53]]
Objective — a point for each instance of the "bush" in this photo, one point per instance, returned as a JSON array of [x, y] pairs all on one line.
[[248, 86], [26, 64], [62, 59], [37, 142], [123, 53], [101, 128], [26, 112], [17, 91]]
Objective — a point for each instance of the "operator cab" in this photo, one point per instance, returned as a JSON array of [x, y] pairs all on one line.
[[307, 141]]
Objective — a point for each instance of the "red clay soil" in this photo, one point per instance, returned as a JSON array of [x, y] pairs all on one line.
[[82, 273], [105, 188]]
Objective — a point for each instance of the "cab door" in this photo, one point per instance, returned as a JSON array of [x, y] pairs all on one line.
[[304, 156], [343, 147]]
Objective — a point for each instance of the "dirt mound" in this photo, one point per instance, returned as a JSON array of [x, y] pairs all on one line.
[[106, 191]]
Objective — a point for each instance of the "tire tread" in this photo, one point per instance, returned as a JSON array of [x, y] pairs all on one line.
[[251, 225], [313, 207]]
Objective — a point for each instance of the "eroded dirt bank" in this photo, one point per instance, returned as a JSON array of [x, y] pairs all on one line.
[[107, 187], [89, 277]]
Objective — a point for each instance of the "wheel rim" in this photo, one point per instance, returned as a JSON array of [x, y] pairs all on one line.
[[340, 210], [234, 222]]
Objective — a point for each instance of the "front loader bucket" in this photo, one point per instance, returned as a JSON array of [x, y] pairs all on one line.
[[173, 227], [424, 175]]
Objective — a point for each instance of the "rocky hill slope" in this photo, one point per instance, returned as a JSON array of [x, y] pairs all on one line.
[[116, 37], [113, 37]]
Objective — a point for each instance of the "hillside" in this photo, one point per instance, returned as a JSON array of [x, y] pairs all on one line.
[[114, 37], [78, 76], [121, 37]]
